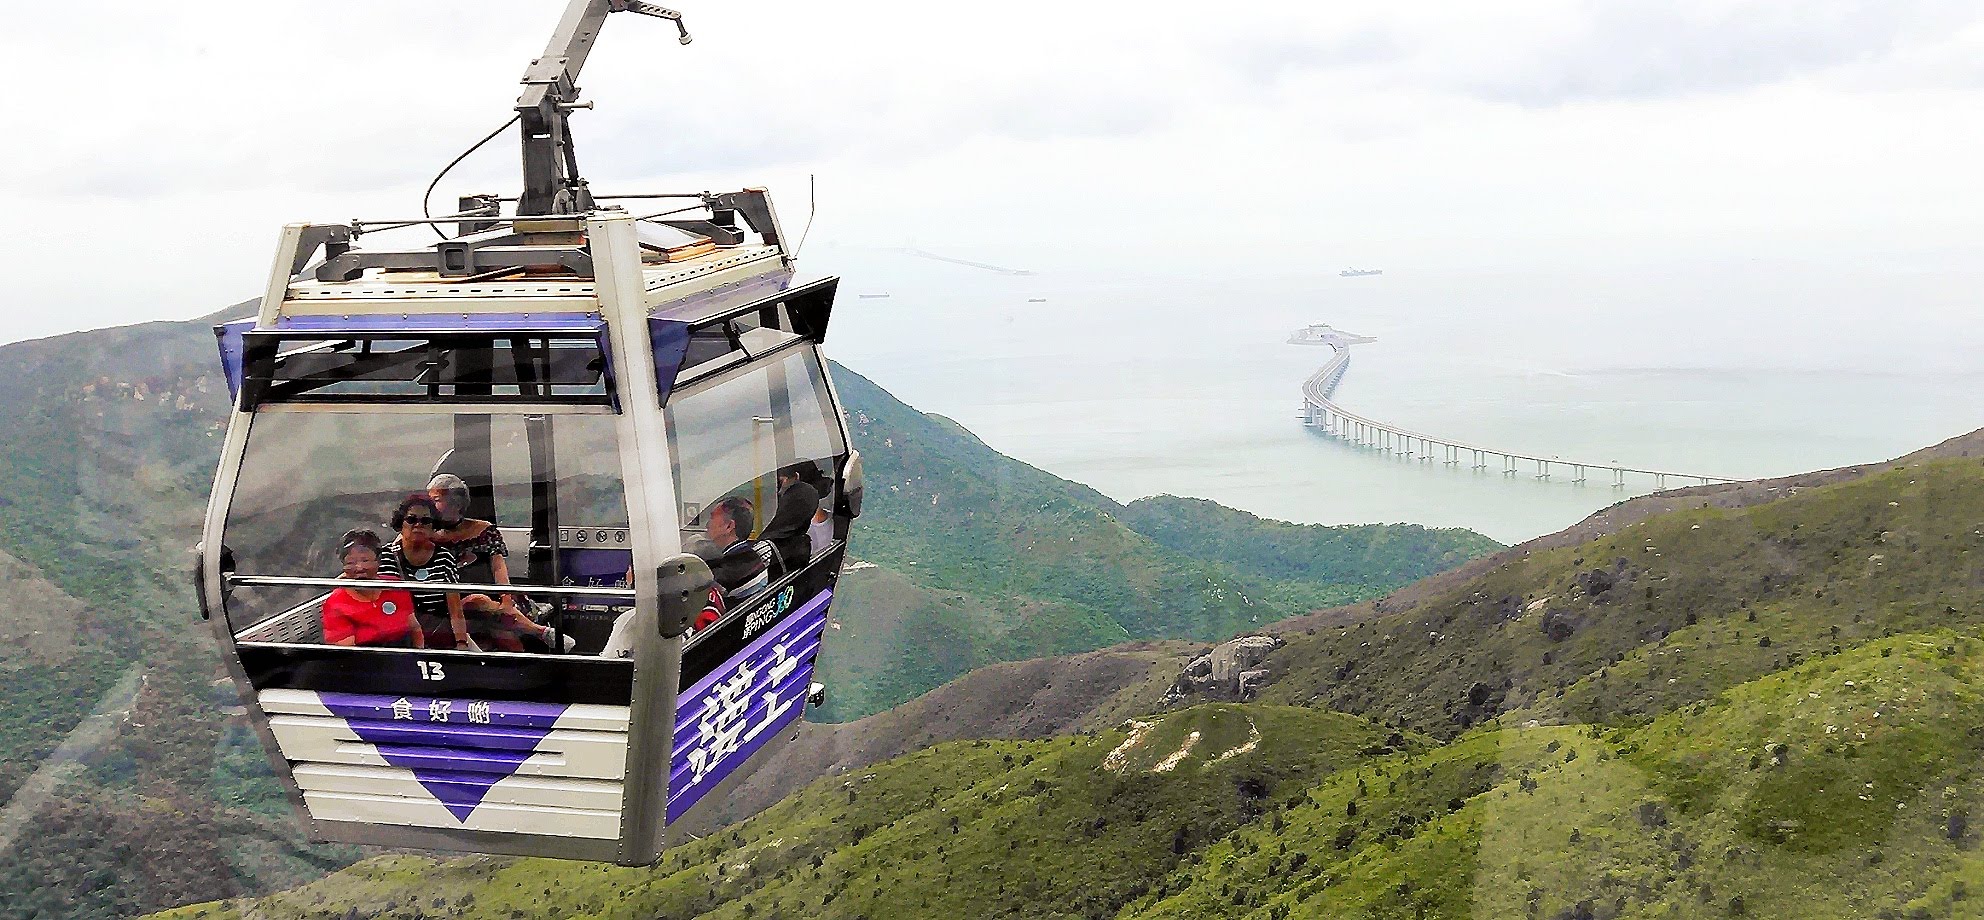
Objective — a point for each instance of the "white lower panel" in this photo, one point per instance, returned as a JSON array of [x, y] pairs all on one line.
[[568, 794], [490, 816]]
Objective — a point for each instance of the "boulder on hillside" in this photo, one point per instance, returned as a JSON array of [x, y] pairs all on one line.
[[1228, 671], [1558, 625]]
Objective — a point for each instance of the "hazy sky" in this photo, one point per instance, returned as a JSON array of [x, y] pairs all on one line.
[[155, 149]]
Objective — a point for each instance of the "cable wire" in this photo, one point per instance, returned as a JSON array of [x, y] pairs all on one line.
[[425, 196]]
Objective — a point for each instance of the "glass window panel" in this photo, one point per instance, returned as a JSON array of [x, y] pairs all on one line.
[[443, 367], [731, 436], [308, 477]]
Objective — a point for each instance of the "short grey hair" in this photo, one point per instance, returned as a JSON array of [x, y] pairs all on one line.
[[453, 490]]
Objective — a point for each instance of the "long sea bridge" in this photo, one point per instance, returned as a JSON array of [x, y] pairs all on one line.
[[1321, 413]]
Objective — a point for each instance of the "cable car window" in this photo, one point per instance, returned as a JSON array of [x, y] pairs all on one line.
[[717, 346], [732, 435], [320, 492], [444, 367]]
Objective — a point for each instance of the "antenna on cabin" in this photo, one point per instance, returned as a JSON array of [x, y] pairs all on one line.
[[552, 184]]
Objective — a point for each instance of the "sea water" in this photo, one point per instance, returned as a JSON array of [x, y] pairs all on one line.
[[1140, 384]]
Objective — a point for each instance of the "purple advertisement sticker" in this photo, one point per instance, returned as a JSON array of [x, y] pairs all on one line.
[[457, 749], [729, 714]]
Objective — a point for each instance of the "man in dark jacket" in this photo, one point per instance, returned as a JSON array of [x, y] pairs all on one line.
[[798, 501], [743, 567]]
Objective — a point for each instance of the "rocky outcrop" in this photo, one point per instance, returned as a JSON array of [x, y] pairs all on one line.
[[1229, 672]]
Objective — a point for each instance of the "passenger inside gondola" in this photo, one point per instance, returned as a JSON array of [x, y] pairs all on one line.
[[820, 533], [482, 557], [415, 556], [376, 617], [798, 502], [742, 566]]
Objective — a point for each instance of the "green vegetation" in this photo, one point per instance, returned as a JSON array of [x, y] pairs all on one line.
[[1840, 788], [1666, 612], [1359, 561]]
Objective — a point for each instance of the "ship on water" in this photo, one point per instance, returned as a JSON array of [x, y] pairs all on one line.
[[1359, 272]]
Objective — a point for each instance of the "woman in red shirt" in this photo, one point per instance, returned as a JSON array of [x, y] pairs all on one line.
[[379, 617]]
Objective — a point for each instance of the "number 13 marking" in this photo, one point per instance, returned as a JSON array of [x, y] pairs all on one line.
[[430, 670]]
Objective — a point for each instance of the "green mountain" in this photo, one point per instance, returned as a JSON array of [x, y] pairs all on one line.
[[108, 441], [1666, 610], [1602, 739]]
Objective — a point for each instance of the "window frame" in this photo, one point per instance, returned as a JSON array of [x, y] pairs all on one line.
[[262, 389], [343, 406]]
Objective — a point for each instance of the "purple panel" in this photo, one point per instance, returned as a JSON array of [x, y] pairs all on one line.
[[727, 716], [816, 605], [460, 792], [457, 749], [477, 737], [230, 335], [426, 709], [690, 713], [442, 763], [452, 322], [670, 341]]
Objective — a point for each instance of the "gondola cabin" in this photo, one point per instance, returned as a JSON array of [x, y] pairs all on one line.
[[523, 541]]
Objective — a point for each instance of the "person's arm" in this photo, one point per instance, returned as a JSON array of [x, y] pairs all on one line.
[[457, 621], [499, 572]]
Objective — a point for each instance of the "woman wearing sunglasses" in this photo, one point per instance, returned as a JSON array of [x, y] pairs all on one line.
[[415, 556]]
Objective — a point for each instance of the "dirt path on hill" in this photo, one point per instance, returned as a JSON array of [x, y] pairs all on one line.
[[67, 761]]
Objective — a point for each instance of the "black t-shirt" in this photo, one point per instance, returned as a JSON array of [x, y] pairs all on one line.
[[441, 567]]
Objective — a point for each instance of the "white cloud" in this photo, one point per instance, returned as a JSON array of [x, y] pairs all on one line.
[[163, 146]]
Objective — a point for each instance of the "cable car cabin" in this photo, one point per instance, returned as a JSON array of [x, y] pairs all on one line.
[[595, 476]]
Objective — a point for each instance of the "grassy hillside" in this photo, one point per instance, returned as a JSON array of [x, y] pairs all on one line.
[[1839, 788], [1666, 611], [981, 828]]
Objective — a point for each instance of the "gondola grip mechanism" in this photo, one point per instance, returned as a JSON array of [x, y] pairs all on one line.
[[684, 584]]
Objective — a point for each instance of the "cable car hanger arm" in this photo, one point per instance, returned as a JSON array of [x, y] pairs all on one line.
[[552, 184]]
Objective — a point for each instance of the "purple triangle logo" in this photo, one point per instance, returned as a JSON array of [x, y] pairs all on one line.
[[456, 750]]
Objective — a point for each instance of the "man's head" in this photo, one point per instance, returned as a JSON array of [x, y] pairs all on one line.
[[731, 520], [803, 471]]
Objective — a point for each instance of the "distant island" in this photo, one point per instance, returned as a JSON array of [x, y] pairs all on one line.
[[1360, 272]]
